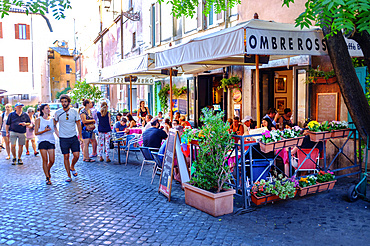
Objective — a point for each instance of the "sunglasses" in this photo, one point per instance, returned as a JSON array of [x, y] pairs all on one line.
[[67, 116]]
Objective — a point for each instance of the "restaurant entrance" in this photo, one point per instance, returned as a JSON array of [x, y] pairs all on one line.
[[208, 94], [283, 88]]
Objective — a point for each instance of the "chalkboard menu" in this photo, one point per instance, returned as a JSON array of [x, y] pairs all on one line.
[[182, 104], [173, 148], [326, 107]]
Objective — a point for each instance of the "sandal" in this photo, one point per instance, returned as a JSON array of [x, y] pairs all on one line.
[[101, 159], [68, 179], [74, 173], [93, 155], [108, 160], [7, 158], [88, 160], [48, 182], [27, 153]]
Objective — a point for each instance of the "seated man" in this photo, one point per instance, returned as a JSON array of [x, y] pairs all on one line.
[[153, 136], [121, 125], [148, 119], [273, 115]]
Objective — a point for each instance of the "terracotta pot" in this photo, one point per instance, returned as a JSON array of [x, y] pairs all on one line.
[[343, 133], [319, 136], [264, 199], [319, 187], [195, 142], [215, 204], [265, 148], [323, 80], [292, 142]]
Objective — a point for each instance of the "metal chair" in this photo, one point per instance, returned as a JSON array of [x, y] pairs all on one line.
[[116, 135], [308, 164], [148, 157], [158, 164], [132, 145]]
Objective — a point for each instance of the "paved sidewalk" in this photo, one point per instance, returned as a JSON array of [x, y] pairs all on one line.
[[109, 204]]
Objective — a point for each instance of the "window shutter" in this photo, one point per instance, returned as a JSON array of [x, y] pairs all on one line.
[[26, 64], [157, 24], [20, 64], [200, 16], [1, 64], [16, 26], [28, 35], [151, 26], [23, 64], [1, 30]]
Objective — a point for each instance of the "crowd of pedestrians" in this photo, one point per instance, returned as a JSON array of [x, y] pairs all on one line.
[[75, 129]]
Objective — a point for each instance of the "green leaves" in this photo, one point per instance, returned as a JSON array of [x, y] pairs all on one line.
[[84, 90], [37, 7]]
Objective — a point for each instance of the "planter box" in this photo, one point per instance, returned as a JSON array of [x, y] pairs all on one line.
[[265, 148], [292, 142], [264, 199], [215, 204], [323, 80], [316, 188], [319, 136], [343, 133]]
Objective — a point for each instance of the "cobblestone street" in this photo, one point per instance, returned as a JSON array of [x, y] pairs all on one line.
[[109, 204]]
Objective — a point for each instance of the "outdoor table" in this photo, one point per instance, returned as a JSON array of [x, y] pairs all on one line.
[[118, 141], [135, 130]]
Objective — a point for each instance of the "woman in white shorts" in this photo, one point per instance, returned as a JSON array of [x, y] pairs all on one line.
[[44, 129], [30, 133]]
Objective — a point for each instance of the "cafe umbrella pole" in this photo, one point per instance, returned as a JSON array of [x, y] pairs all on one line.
[[131, 94], [258, 90], [171, 94]]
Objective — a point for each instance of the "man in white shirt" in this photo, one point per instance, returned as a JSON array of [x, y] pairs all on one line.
[[68, 118]]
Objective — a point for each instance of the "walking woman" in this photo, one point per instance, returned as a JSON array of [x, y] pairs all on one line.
[[3, 119], [142, 112], [104, 131], [30, 133], [44, 129], [88, 125]]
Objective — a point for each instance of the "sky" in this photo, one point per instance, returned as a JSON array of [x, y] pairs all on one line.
[[77, 18]]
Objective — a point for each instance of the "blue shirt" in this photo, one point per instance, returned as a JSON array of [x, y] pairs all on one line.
[[119, 126], [103, 125], [14, 119]]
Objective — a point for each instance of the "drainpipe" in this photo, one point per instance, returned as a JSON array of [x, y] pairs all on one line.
[[32, 67]]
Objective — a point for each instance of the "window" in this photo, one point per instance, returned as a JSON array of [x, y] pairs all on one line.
[[1, 63], [23, 64], [134, 40], [1, 30], [22, 31], [68, 69], [25, 97], [68, 83]]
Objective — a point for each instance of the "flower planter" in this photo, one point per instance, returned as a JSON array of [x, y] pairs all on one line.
[[215, 204], [342, 133], [264, 199], [292, 142], [323, 80], [319, 136], [265, 148], [319, 187]]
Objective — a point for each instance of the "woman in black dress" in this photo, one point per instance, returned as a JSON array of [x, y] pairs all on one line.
[[142, 112]]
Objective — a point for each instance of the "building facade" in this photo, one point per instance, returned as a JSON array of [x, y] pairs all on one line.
[[23, 57], [62, 68]]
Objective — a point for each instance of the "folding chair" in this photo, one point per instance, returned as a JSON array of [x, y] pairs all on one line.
[[132, 145], [148, 157], [158, 164], [308, 165]]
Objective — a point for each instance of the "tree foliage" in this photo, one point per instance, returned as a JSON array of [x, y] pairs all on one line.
[[347, 15], [57, 7], [83, 91], [188, 8], [65, 91]]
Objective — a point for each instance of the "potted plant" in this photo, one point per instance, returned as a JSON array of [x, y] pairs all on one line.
[[279, 188], [317, 76], [228, 83], [270, 141], [207, 189], [311, 184], [340, 129], [293, 137], [319, 131], [163, 97]]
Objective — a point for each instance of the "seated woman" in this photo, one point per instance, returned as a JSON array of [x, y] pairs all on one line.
[[131, 121], [184, 123], [266, 122], [167, 125]]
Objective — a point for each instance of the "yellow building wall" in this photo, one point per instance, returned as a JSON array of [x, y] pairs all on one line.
[[58, 73]]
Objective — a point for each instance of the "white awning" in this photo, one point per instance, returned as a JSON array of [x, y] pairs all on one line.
[[142, 64], [255, 37]]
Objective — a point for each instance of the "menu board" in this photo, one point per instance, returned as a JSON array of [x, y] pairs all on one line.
[[182, 104], [326, 107], [173, 148]]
